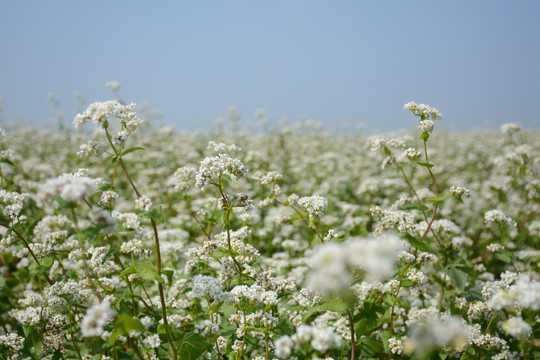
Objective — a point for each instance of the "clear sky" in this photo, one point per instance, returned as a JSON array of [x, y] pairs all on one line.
[[334, 61]]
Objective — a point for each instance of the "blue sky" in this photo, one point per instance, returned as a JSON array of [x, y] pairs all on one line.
[[337, 62]]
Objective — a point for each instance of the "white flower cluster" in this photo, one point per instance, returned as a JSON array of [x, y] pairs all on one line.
[[254, 294], [510, 128], [69, 187], [207, 287], [525, 293], [128, 220], [396, 346], [135, 246], [333, 264], [92, 148], [143, 203], [15, 203], [183, 178], [95, 319], [213, 167], [498, 215], [101, 111], [108, 199], [517, 327], [222, 147], [412, 154], [426, 126], [315, 205], [152, 341], [319, 338], [390, 219], [424, 111], [459, 191], [378, 142], [437, 332], [267, 177], [114, 85], [13, 342]]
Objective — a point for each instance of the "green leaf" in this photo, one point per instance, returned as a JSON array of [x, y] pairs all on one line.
[[424, 136], [338, 306], [385, 335], [192, 347], [6, 161], [310, 312], [130, 270], [458, 277], [169, 274], [504, 256], [130, 150], [415, 206], [417, 244], [387, 151], [222, 252], [147, 272], [46, 263], [370, 347], [154, 213], [124, 324], [426, 164], [440, 198], [65, 204]]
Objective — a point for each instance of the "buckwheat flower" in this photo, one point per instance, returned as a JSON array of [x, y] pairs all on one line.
[[184, 178], [525, 293], [96, 318], [422, 110], [510, 128], [67, 186], [267, 177], [433, 333], [108, 199], [135, 246], [376, 143], [114, 85], [332, 234], [207, 287], [315, 205], [120, 138], [143, 203], [212, 168], [517, 327], [12, 343], [152, 341], [238, 345], [426, 126], [128, 220], [412, 154], [14, 203], [222, 147], [459, 191], [494, 247], [284, 345], [396, 346], [498, 215], [92, 148]]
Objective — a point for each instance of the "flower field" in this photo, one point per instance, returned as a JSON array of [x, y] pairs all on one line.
[[122, 240]]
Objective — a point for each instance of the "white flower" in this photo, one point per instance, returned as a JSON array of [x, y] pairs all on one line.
[[114, 85], [143, 203], [315, 205], [96, 318], [517, 327]]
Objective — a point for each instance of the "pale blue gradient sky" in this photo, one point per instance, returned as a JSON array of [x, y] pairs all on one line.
[[338, 62]]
